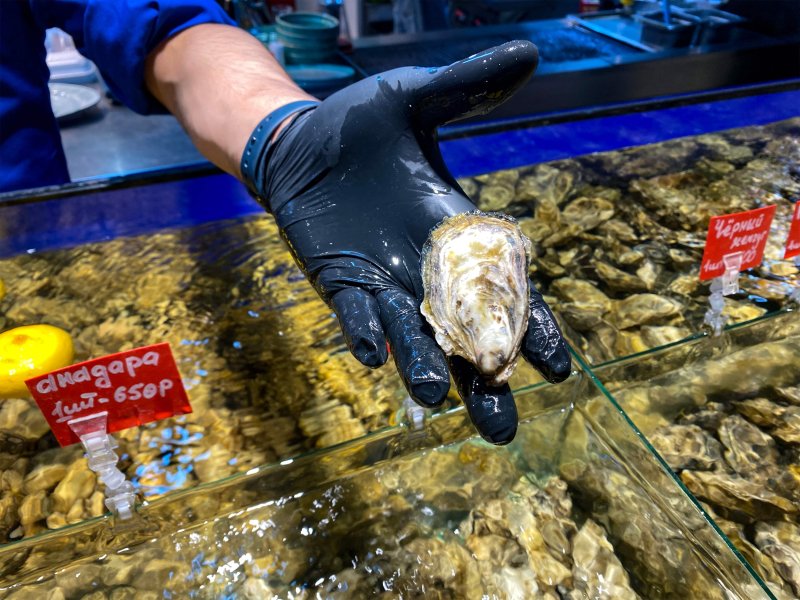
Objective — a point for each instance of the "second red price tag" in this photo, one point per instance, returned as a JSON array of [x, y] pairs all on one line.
[[134, 387], [744, 232], [793, 243]]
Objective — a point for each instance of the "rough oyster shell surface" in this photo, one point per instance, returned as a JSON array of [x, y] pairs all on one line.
[[475, 273]]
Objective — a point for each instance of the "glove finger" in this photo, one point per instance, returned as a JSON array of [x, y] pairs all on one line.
[[419, 360], [474, 85], [544, 346], [359, 318], [491, 409]]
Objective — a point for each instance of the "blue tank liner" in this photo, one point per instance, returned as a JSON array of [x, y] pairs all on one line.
[[518, 147], [108, 214], [136, 210]]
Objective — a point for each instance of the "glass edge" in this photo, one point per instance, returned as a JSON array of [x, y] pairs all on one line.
[[671, 474], [687, 341], [163, 502]]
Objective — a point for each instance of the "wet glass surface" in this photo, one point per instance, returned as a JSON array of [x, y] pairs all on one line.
[[575, 507], [725, 415], [618, 239]]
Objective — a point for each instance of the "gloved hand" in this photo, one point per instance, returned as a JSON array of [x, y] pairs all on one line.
[[356, 183]]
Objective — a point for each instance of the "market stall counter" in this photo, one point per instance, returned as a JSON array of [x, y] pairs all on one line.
[[285, 421]]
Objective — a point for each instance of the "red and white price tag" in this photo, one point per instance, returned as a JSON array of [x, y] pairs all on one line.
[[793, 243], [744, 232], [134, 387]]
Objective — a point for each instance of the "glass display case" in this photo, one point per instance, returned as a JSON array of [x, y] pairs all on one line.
[[725, 415], [295, 452], [577, 506]]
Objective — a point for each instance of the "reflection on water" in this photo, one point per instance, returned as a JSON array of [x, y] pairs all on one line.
[[263, 359], [727, 420], [619, 236], [557, 514]]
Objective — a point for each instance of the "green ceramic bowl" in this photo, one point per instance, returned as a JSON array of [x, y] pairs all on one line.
[[308, 38]]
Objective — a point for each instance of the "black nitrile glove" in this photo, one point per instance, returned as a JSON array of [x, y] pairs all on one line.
[[356, 183]]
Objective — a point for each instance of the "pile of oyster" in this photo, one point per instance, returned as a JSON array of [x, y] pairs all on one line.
[[262, 358], [730, 428], [453, 523], [618, 236], [553, 515]]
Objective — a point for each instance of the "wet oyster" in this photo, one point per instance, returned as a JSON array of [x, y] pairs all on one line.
[[779, 541], [736, 498], [640, 309], [749, 451], [687, 447], [475, 273]]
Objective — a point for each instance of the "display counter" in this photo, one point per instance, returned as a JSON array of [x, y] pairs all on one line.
[[576, 505], [725, 415], [284, 419]]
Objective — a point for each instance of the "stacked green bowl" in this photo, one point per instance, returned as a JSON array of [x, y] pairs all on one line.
[[308, 38]]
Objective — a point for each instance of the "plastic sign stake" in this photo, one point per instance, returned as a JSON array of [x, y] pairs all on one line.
[[86, 401], [793, 242], [99, 446], [734, 243], [730, 278]]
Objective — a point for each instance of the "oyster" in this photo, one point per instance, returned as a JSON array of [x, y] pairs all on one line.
[[660, 335], [760, 411], [748, 450], [641, 309], [475, 274], [546, 183], [588, 213], [779, 541], [648, 273], [618, 230], [687, 447], [736, 498], [597, 572], [790, 394], [535, 230], [619, 280]]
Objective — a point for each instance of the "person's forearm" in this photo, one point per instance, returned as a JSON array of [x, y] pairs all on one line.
[[219, 81]]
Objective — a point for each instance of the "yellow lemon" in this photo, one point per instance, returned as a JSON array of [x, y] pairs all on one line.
[[29, 351]]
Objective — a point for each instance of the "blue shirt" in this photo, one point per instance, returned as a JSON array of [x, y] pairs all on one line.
[[117, 35]]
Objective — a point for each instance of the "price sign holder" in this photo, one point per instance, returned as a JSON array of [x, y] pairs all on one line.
[[734, 243], [93, 433], [85, 402]]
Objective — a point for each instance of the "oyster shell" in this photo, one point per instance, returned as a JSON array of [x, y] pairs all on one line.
[[748, 450], [619, 280], [687, 447], [475, 274], [779, 541], [588, 213], [736, 498], [597, 572], [641, 309]]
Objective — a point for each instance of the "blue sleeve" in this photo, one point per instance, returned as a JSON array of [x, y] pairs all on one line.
[[117, 35]]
